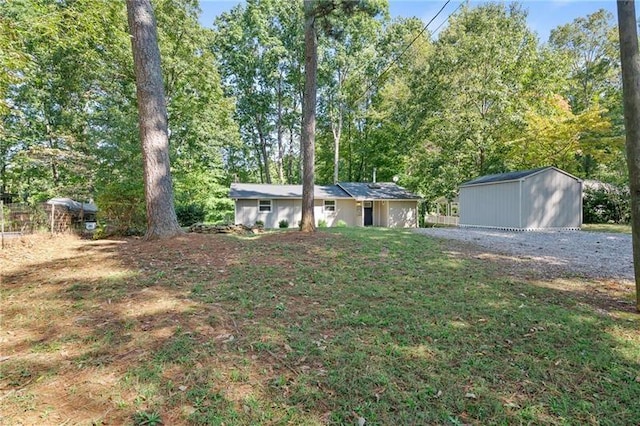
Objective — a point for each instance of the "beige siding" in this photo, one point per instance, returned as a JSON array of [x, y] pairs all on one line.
[[493, 205], [551, 200], [383, 213], [247, 212], [402, 214], [345, 211]]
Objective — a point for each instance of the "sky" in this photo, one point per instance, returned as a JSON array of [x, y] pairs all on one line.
[[544, 15]]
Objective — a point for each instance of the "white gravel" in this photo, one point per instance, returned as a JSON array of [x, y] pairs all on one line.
[[589, 254]]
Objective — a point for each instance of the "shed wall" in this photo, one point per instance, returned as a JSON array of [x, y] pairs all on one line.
[[494, 205], [551, 200]]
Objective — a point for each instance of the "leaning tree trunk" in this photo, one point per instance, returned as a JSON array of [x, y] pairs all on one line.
[[152, 119], [309, 118], [630, 60]]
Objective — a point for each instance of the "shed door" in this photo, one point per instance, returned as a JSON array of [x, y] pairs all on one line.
[[368, 213]]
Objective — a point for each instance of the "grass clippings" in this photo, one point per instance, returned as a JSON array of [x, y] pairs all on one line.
[[338, 327]]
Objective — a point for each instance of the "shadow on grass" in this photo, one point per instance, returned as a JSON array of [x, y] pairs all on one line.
[[292, 328]]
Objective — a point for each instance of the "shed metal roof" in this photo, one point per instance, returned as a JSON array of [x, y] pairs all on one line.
[[74, 205], [258, 190], [505, 177], [377, 191]]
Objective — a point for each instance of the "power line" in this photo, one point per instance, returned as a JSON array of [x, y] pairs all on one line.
[[450, 15], [395, 60]]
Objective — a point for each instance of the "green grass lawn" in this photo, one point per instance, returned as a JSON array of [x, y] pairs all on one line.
[[347, 324], [607, 227]]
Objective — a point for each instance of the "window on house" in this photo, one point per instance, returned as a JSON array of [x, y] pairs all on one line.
[[329, 205], [264, 206]]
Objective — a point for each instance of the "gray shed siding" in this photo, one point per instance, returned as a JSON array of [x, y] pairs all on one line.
[[402, 214], [491, 205], [546, 199], [551, 200]]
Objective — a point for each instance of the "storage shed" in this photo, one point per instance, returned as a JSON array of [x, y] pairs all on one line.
[[543, 198]]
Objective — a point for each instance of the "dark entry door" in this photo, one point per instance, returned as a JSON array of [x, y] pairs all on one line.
[[368, 216]]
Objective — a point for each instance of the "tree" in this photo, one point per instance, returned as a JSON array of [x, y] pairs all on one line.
[[589, 46], [309, 117], [152, 119], [630, 59], [482, 77], [259, 48]]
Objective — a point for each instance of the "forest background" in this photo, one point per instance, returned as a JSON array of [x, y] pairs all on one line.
[[484, 95]]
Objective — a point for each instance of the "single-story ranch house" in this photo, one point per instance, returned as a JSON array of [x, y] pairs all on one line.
[[544, 198], [355, 204]]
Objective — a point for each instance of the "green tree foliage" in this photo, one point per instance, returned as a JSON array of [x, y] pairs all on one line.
[[481, 75], [71, 128], [590, 52], [259, 48]]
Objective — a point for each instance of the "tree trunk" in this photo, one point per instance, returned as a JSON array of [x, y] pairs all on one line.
[[336, 129], [263, 151], [309, 117], [152, 119], [630, 61], [279, 131]]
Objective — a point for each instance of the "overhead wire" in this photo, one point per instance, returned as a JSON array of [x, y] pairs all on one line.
[[397, 58]]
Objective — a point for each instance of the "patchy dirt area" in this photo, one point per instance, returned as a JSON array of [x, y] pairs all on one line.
[[585, 254], [209, 329], [82, 320]]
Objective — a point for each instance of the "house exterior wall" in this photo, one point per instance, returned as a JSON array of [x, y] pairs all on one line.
[[402, 214], [551, 200], [378, 208], [495, 205], [246, 212], [383, 213], [345, 211]]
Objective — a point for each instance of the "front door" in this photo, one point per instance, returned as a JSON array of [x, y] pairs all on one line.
[[368, 213]]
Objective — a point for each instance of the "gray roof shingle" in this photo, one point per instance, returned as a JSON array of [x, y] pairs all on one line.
[[257, 190], [367, 191], [377, 191]]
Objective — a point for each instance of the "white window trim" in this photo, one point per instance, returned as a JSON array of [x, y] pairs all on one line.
[[329, 211], [261, 205]]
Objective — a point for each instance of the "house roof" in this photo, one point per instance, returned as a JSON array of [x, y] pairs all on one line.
[[377, 191], [505, 177], [366, 191], [257, 190], [74, 205]]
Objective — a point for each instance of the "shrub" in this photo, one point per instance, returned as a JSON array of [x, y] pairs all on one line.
[[259, 224], [191, 213], [322, 223], [606, 205], [122, 209], [341, 224], [284, 223]]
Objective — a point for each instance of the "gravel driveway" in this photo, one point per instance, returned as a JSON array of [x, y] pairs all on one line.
[[590, 254]]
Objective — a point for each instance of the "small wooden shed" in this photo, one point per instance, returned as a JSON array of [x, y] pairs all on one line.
[[543, 198]]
